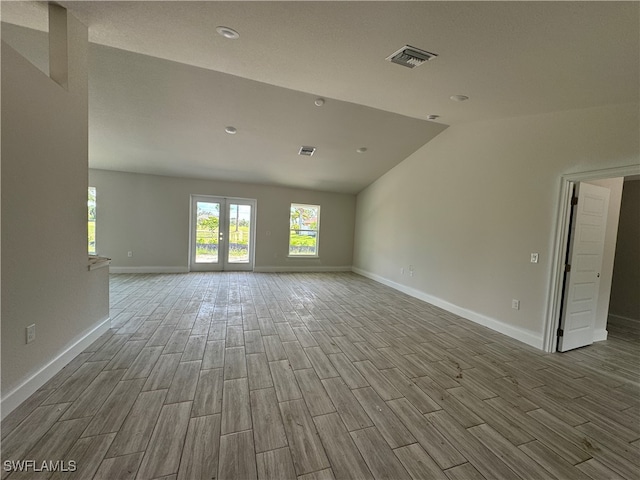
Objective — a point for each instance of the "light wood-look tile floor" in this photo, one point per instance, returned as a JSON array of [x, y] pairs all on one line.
[[320, 376]]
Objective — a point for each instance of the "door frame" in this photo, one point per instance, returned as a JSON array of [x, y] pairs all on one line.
[[560, 245], [223, 228]]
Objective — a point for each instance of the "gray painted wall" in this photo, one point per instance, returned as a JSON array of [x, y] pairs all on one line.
[[45, 279], [468, 208], [149, 215], [625, 289]]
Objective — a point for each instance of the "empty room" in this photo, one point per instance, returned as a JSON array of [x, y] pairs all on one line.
[[320, 240]]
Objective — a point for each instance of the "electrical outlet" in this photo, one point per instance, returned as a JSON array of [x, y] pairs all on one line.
[[411, 270], [402, 271], [534, 258], [129, 254], [31, 333], [515, 304]]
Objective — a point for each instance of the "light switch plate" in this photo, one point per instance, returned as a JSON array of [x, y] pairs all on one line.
[[534, 258], [31, 333]]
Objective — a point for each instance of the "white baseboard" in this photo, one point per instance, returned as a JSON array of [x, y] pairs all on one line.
[[600, 335], [625, 319], [19, 394], [313, 268], [265, 269], [113, 269], [525, 336]]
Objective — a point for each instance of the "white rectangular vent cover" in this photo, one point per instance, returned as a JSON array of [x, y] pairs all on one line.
[[308, 151], [411, 57]]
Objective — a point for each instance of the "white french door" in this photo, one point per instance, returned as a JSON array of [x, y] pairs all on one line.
[[222, 233]]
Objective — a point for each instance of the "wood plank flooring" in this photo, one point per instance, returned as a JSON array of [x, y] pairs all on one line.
[[324, 376]]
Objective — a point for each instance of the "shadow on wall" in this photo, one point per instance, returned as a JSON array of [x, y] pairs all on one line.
[[625, 301]]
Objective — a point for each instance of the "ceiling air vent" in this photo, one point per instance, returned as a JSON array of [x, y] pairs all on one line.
[[411, 57], [308, 151]]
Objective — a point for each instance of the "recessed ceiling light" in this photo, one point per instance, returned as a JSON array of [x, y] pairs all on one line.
[[319, 102], [459, 98], [361, 150], [432, 117], [227, 32], [231, 130]]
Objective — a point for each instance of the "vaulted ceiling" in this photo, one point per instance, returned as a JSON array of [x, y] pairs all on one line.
[[164, 85]]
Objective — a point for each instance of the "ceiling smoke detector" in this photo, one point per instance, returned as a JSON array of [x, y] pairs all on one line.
[[411, 57], [308, 151]]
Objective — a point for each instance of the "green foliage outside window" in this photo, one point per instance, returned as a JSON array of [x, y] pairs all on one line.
[[303, 233]]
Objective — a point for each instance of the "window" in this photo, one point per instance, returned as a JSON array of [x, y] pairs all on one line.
[[91, 228], [304, 229]]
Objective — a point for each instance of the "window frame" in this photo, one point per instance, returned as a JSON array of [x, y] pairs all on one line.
[[94, 220], [317, 230]]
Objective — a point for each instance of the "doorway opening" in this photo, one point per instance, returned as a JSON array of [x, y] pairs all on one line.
[[222, 233], [556, 300]]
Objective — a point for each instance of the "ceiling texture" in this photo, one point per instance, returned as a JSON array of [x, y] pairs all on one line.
[[164, 85]]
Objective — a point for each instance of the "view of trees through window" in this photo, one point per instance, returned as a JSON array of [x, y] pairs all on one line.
[[91, 230], [304, 229], [208, 229], [239, 232], [207, 233]]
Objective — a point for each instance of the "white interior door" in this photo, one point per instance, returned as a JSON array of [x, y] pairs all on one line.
[[222, 233], [582, 284]]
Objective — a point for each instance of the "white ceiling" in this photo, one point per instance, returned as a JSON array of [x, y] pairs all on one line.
[[160, 98]]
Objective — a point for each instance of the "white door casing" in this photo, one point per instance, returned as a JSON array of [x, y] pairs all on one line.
[[554, 302], [582, 282]]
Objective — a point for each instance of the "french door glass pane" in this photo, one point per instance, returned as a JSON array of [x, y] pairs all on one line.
[[207, 232], [239, 233]]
